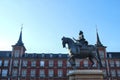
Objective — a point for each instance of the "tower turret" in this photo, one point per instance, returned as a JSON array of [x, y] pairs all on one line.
[[19, 48]]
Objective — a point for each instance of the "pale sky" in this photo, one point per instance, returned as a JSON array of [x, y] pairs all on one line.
[[45, 22]]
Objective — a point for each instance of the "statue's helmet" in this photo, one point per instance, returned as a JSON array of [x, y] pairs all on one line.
[[80, 32]]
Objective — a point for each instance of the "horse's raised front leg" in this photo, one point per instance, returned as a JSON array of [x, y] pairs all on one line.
[[71, 59]]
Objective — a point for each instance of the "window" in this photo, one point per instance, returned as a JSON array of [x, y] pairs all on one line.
[[6, 62], [24, 64], [77, 63], [43, 55], [104, 72], [60, 55], [42, 63], [59, 63], [4, 72], [42, 73], [24, 72], [111, 63], [16, 54], [103, 63], [68, 64], [32, 73], [0, 62], [110, 55], [118, 73], [51, 73], [50, 63], [14, 72], [15, 63], [51, 55], [117, 63], [101, 53], [113, 74], [60, 73], [33, 63], [85, 63]]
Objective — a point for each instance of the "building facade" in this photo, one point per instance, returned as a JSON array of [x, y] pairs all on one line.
[[18, 65]]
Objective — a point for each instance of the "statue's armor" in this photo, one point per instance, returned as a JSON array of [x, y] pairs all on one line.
[[81, 41]]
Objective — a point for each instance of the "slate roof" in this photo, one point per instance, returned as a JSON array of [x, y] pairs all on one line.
[[6, 54], [36, 55], [113, 55]]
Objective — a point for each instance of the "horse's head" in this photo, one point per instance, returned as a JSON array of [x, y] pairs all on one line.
[[64, 41]]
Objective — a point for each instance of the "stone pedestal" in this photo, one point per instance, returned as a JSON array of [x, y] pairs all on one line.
[[85, 75]]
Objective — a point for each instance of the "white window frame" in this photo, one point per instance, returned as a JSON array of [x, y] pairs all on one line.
[[104, 73], [32, 73], [110, 55], [24, 64], [51, 73], [6, 62], [51, 55], [112, 64], [103, 63], [77, 63], [118, 73], [15, 63], [33, 63], [4, 72], [51, 63], [42, 73], [101, 53], [17, 53], [14, 72], [85, 63], [42, 63], [117, 62], [60, 73], [60, 63], [24, 72], [113, 73]]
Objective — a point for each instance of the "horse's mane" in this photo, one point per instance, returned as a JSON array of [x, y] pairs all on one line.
[[69, 39]]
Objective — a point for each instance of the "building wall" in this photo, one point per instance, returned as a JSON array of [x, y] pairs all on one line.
[[49, 67]]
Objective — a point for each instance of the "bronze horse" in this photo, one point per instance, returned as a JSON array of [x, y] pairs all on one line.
[[76, 52]]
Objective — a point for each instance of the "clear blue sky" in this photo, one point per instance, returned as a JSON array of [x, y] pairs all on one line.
[[45, 22]]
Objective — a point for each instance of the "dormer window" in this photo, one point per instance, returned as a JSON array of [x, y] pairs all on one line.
[[0, 62], [43, 55], [51, 55], [60, 55], [110, 55]]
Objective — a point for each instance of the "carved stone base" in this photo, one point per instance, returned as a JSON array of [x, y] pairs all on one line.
[[85, 75]]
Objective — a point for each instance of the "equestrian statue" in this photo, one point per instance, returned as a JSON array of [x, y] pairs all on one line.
[[79, 49]]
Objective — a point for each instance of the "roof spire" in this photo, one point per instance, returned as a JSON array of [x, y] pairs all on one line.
[[20, 43], [98, 43]]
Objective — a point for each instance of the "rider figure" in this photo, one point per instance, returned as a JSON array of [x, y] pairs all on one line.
[[81, 41]]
